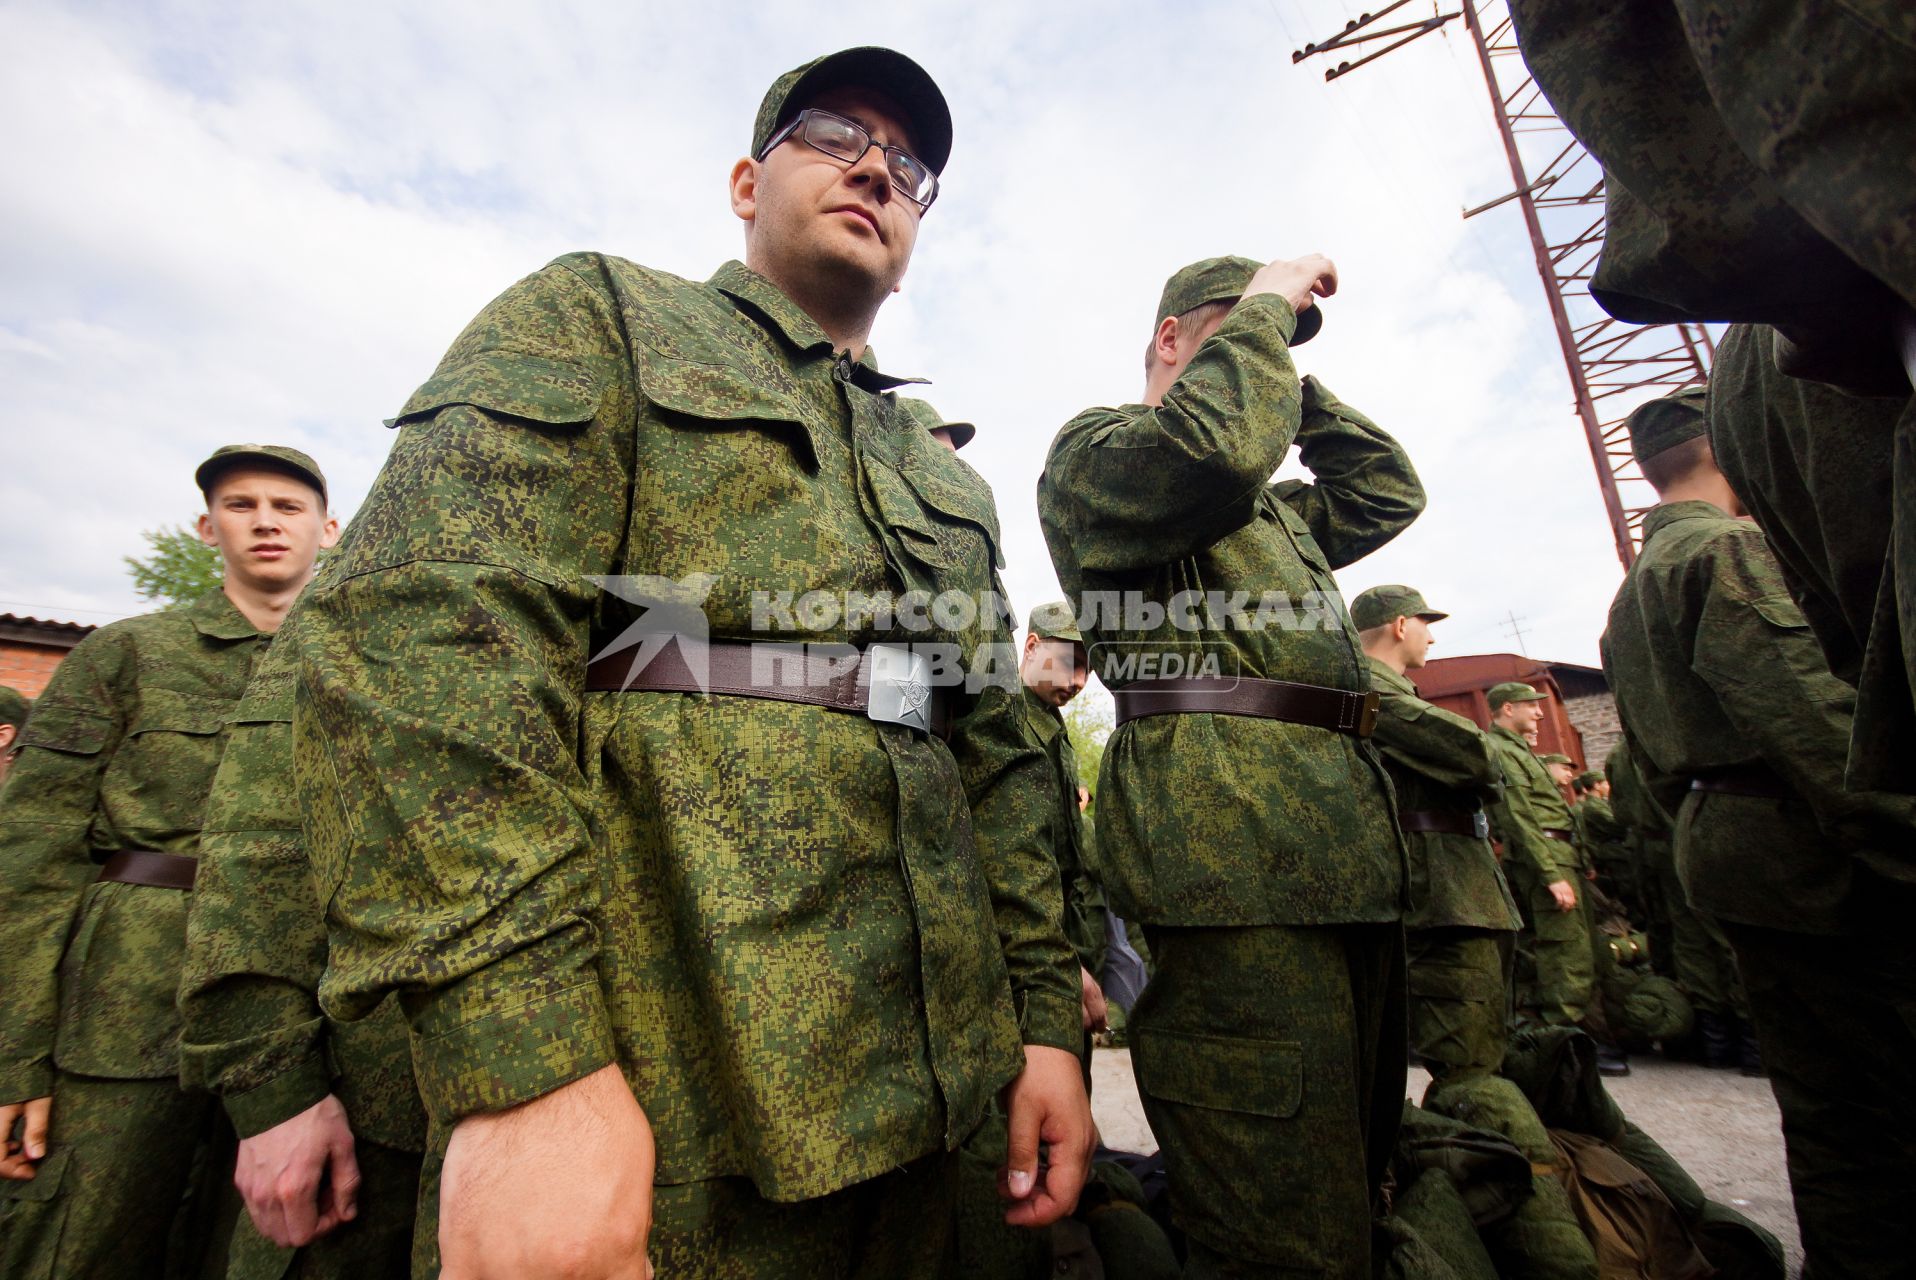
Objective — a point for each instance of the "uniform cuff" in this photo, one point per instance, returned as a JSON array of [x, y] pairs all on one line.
[[1276, 303], [512, 1054], [1049, 1021], [281, 1098], [22, 1083]]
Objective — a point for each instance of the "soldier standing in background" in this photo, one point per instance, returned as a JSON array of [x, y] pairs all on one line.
[[1742, 731], [1607, 842], [14, 707], [718, 947], [99, 829], [328, 1115], [1243, 818]]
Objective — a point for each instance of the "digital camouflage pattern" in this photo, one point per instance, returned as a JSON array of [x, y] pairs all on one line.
[[1273, 823], [1715, 670], [1816, 467], [1460, 913], [812, 941], [1606, 841], [1558, 942], [1083, 899], [119, 754]]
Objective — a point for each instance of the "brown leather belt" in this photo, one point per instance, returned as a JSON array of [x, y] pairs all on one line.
[[1475, 824], [1755, 781], [1558, 833], [1341, 710], [838, 677], [151, 868]]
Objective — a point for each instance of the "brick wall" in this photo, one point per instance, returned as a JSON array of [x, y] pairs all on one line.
[[1595, 717], [27, 667]]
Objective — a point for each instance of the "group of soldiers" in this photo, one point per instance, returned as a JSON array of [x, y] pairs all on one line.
[[517, 932]]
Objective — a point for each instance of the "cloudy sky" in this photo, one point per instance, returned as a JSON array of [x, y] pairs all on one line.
[[230, 222]]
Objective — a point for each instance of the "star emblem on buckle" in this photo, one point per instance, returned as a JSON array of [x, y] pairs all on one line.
[[913, 695]]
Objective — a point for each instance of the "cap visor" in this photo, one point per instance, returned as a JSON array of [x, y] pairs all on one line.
[[896, 76]]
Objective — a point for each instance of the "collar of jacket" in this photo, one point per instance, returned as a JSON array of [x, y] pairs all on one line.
[[215, 616], [1668, 513], [1383, 676], [1511, 735], [1044, 717], [764, 299]]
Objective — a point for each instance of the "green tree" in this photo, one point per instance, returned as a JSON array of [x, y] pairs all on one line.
[[177, 568], [1090, 717]]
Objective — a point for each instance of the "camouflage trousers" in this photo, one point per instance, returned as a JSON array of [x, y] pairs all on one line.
[[1837, 1021], [1559, 945], [1270, 1061], [986, 1244], [376, 1243], [1699, 954], [123, 1189], [1459, 998]]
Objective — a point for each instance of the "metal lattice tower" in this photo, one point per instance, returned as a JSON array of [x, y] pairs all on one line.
[[1613, 366]]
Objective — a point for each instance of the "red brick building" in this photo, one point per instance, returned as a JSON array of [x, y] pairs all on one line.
[[1580, 719], [30, 648]]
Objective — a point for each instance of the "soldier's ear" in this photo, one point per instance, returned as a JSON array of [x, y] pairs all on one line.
[[744, 184], [204, 526]]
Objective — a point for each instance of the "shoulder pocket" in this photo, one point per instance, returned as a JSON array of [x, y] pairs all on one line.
[[530, 387], [934, 519], [1223, 1073], [713, 391], [69, 729], [1299, 530], [1780, 611]]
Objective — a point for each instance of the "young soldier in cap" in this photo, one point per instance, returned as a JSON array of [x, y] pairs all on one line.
[[14, 707], [1742, 732], [330, 1125], [99, 827], [740, 968], [1545, 866], [1563, 772], [1460, 919], [1244, 816]]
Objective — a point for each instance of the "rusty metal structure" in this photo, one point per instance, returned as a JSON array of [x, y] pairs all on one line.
[[1613, 366]]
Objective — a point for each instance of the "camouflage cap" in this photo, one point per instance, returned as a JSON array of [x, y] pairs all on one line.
[[275, 457], [1589, 778], [1513, 691], [927, 417], [868, 67], [1055, 621], [1663, 424], [1379, 605], [1223, 280], [1556, 757], [14, 706]]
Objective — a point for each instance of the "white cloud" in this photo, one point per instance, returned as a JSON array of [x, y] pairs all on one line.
[[230, 222]]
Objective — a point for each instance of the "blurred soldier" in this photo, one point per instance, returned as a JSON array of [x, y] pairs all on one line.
[[1749, 181], [1563, 772], [1459, 924], [952, 435], [14, 707], [1547, 871], [99, 829], [1607, 842], [1742, 731], [707, 938], [329, 1119], [1244, 817]]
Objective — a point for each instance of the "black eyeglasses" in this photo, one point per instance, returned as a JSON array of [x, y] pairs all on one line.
[[846, 140]]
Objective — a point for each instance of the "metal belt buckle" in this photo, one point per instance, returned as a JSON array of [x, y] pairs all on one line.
[[1367, 719], [1480, 825], [900, 691]]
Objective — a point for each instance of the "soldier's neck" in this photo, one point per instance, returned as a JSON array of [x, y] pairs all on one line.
[[1705, 485], [1389, 658], [845, 315], [264, 608]]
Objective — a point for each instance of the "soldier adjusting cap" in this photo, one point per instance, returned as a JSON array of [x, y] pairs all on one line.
[[1223, 280], [868, 67], [1379, 605], [1665, 423], [274, 457], [1513, 691], [1055, 621], [927, 417]]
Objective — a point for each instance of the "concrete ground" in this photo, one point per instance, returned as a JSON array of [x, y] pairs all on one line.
[[1720, 1126]]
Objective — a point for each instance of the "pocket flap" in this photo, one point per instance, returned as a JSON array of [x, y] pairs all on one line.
[[714, 392], [508, 383], [70, 729], [45, 1183], [1780, 611], [167, 711], [1223, 1073]]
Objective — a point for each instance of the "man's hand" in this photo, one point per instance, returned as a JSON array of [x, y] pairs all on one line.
[[559, 1186], [1084, 799], [1296, 280], [19, 1154], [1565, 896], [1091, 1000], [299, 1178], [1046, 1103]]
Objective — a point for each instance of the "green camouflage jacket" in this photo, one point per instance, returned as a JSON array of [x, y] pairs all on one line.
[[1083, 899], [1530, 806], [1714, 669], [118, 754], [1599, 832], [1439, 761], [1630, 799], [812, 941], [1167, 519], [252, 1030]]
